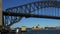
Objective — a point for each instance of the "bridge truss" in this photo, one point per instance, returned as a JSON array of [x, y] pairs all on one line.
[[39, 9]]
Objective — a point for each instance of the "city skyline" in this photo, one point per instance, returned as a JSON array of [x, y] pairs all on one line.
[[29, 22]]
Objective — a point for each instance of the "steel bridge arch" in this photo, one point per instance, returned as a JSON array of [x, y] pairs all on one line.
[[29, 8]]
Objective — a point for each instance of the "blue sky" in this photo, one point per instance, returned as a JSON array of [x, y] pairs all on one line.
[[29, 22]]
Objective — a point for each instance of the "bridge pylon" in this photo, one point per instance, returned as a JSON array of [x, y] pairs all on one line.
[[1, 13]]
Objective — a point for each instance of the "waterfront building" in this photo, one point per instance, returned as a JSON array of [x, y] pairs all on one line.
[[52, 28], [23, 28], [38, 27], [58, 27]]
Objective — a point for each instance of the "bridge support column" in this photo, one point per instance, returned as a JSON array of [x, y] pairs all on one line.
[[1, 13]]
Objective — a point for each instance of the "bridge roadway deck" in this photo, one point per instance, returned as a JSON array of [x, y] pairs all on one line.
[[30, 15]]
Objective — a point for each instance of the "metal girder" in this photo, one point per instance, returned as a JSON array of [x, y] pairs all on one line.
[[31, 7], [31, 15], [26, 10]]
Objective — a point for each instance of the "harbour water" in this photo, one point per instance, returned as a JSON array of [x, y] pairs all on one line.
[[38, 32]]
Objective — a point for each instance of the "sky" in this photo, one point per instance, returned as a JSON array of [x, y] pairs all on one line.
[[28, 22]]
